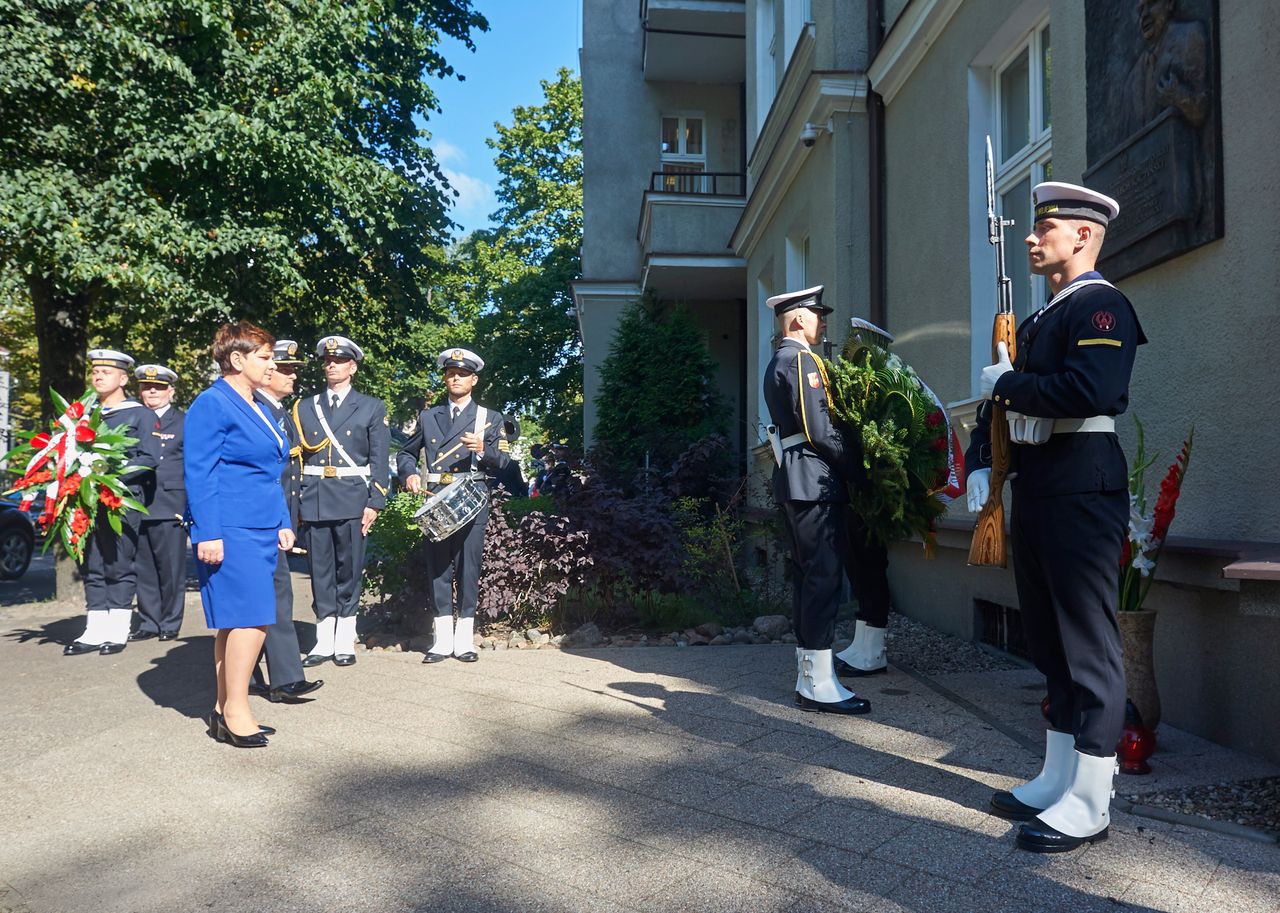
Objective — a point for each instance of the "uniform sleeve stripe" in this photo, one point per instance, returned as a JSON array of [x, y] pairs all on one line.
[[1100, 342]]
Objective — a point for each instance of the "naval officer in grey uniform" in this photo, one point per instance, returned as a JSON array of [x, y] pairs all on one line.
[[457, 439], [284, 663], [162, 539], [345, 439]]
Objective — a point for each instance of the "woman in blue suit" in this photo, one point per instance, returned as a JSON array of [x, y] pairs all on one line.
[[239, 519]]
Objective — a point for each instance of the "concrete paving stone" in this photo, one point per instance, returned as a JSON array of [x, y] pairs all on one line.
[[832, 876], [943, 852], [797, 745], [1243, 891], [1142, 895], [720, 891], [765, 806], [857, 826], [619, 869], [1236, 853], [705, 727], [1156, 858], [743, 848], [1052, 881], [854, 759], [687, 787], [930, 894]]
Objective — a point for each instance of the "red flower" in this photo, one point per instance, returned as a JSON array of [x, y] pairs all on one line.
[[40, 441], [76, 410], [1127, 553], [84, 433], [70, 485], [939, 444], [79, 523], [934, 419], [109, 497]]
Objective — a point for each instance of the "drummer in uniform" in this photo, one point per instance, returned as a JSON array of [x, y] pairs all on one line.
[[345, 439], [460, 439], [162, 539], [110, 574]]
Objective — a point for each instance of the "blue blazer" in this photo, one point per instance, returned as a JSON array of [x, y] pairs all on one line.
[[232, 465]]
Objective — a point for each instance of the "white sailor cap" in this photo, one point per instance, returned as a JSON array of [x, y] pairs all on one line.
[[155, 374], [1056, 200], [109, 358], [285, 352], [461, 358], [805, 298], [339, 347], [863, 328]]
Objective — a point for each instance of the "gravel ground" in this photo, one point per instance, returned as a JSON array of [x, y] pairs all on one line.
[[931, 652], [1253, 803]]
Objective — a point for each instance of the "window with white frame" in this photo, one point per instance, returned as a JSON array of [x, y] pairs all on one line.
[[767, 69], [1023, 147], [684, 153]]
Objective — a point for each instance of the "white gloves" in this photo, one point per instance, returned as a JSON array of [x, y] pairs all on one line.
[[978, 489], [992, 373], [1027, 429]]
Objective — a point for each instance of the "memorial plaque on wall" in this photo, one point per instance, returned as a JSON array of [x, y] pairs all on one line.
[[1154, 134]]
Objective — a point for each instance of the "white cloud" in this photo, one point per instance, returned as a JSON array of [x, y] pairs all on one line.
[[446, 152], [475, 198]]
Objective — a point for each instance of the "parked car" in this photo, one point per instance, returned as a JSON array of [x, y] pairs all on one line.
[[17, 540]]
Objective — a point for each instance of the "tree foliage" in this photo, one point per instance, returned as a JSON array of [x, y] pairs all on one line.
[[657, 390], [516, 276], [171, 163]]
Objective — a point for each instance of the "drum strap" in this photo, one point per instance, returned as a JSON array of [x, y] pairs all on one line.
[[361, 471], [481, 414]]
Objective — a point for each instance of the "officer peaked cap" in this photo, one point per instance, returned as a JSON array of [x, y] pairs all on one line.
[[155, 374], [339, 347], [1055, 200], [461, 358], [805, 298], [285, 352]]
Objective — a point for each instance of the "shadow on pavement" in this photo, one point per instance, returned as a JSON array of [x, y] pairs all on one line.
[[62, 631], [181, 678]]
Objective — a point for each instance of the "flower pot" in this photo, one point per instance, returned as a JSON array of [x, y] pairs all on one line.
[[1137, 632]]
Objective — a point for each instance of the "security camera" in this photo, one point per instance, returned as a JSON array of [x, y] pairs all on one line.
[[809, 135]]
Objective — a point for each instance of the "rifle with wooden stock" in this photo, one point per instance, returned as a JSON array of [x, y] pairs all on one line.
[[988, 546]]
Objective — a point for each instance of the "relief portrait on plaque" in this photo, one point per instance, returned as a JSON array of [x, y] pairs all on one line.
[[1154, 136]]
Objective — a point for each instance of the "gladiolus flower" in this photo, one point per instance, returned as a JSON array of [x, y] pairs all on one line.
[[85, 433], [79, 522], [109, 497], [70, 485]]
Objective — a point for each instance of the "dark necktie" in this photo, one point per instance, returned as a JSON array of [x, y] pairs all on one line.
[[454, 417], [333, 404]]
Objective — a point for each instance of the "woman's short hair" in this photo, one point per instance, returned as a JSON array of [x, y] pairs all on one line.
[[243, 337]]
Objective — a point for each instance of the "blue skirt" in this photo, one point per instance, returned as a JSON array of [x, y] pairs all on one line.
[[240, 592]]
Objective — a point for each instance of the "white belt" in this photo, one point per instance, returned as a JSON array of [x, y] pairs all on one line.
[[433, 478], [1096, 423], [793, 440], [336, 472]]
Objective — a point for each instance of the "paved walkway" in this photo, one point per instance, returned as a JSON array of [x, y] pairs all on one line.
[[649, 779]]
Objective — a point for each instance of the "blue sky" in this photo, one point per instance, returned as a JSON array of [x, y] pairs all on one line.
[[527, 41]]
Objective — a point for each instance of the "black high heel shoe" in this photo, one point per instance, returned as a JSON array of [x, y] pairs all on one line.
[[257, 740], [215, 717]]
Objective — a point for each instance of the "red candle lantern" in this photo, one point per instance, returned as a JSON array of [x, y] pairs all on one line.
[[1137, 743]]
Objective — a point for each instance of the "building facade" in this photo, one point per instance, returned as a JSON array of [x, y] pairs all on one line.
[[861, 131]]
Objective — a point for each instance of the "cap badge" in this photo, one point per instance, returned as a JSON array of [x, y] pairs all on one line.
[[293, 349], [151, 372], [1104, 320], [456, 355], [331, 344]]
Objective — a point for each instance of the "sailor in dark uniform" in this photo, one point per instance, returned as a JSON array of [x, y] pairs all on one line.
[[1070, 510], [511, 479], [288, 682], [110, 578], [345, 439], [809, 483], [162, 539], [458, 438]]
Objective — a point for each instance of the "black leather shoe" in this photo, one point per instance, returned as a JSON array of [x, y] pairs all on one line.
[[293, 691], [171, 635], [214, 718], [258, 689], [1007, 805], [849, 706], [436, 657], [75, 648], [142, 635], [223, 734], [843, 668], [468, 657], [1039, 837], [344, 659], [314, 659], [110, 649]]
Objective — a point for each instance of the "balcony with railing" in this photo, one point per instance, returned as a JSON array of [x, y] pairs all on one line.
[[686, 220], [694, 40]]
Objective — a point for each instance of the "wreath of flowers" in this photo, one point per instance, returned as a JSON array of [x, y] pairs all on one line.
[[1148, 531], [77, 463], [910, 455]]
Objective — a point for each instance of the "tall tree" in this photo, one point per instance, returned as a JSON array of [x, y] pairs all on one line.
[[168, 164], [518, 273]]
